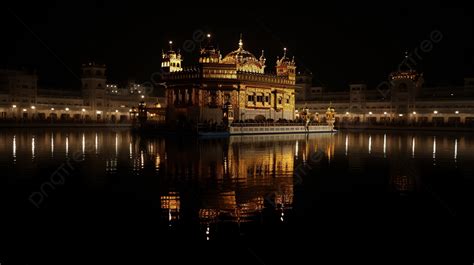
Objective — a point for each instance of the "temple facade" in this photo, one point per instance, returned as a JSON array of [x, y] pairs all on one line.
[[224, 89]]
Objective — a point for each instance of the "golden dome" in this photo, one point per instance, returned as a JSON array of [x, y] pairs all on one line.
[[245, 60]]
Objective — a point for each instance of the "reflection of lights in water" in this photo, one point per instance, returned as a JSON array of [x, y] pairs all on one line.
[[281, 217], [434, 147], [67, 145], [455, 149], [169, 217], [413, 144], [96, 144], [83, 145], [52, 145], [225, 165], [370, 144], [116, 144], [347, 143], [157, 162], [14, 148], [130, 151], [296, 150], [142, 160], [207, 232], [33, 147], [385, 145]]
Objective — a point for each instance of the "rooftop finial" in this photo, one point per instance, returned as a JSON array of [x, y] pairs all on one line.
[[284, 52], [171, 45], [241, 43]]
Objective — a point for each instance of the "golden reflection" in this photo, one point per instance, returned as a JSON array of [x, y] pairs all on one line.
[[52, 145], [413, 143], [14, 148], [33, 147], [171, 205], [83, 145], [455, 149], [370, 144], [116, 144], [96, 144], [385, 145], [347, 144], [250, 173], [67, 146]]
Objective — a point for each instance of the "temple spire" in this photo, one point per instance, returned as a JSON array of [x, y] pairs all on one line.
[[171, 45], [241, 43]]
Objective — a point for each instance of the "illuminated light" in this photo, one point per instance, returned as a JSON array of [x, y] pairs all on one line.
[[52, 108], [83, 110], [457, 112], [67, 145], [33, 107], [33, 148], [384, 113], [130, 110], [370, 112], [347, 144], [400, 115], [455, 149], [414, 112], [384, 145], [347, 113], [370, 145], [96, 143], [116, 110], [208, 35], [435, 112], [158, 105], [14, 106], [83, 144], [142, 96], [14, 148], [170, 42], [67, 109], [99, 112], [413, 145], [24, 109]]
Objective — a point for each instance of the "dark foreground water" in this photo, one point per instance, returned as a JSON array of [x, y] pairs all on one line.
[[102, 196]]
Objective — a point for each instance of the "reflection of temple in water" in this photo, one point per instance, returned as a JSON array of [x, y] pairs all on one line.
[[235, 178]]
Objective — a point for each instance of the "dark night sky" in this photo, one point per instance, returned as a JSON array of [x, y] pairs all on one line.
[[338, 45]]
